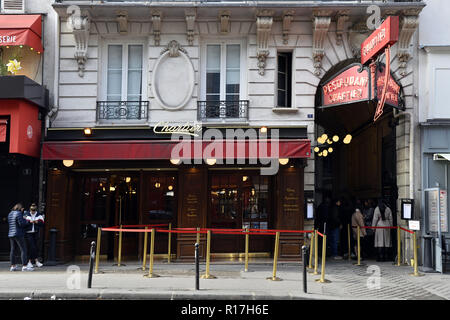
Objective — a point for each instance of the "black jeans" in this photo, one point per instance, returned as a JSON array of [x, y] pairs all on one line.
[[32, 240], [18, 242]]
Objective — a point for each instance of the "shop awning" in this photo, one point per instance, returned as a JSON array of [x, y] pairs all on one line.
[[3, 127], [16, 30], [162, 149]]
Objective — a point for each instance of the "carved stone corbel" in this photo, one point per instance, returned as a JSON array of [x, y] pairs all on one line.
[[80, 29], [342, 18], [174, 49], [264, 21], [321, 24], [408, 26], [288, 15], [122, 21], [156, 25], [224, 18], [190, 24]]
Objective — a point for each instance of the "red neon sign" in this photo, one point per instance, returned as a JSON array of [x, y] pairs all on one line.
[[386, 34]]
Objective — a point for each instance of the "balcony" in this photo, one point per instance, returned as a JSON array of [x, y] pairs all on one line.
[[221, 111], [122, 110]]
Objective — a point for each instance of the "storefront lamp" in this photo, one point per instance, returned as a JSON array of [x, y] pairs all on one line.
[[68, 163], [87, 131], [283, 161], [170, 188], [263, 130], [324, 137], [175, 161], [335, 138], [347, 139], [316, 149], [320, 154], [127, 179], [244, 178], [330, 150], [329, 141], [325, 153], [211, 161]]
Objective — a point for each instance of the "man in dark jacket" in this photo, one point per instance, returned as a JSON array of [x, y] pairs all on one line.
[[36, 222], [333, 227], [17, 224]]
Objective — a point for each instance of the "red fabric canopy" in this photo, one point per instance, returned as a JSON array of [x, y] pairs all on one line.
[[162, 149], [3, 124], [18, 30]]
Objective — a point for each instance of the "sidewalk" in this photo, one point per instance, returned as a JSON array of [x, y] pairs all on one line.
[[177, 281]]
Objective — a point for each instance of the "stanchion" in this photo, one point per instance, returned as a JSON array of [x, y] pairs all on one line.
[[416, 270], [152, 251], [197, 268], [398, 247], [198, 236], [275, 258], [169, 245], [349, 243], [246, 249], [324, 256], [304, 268], [358, 240], [311, 248], [208, 256], [119, 253], [97, 254], [316, 252], [144, 255], [91, 264]]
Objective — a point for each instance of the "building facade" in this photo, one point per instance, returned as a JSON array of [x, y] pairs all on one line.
[[132, 72]]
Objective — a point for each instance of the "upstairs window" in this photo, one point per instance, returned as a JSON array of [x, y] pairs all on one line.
[[284, 75]]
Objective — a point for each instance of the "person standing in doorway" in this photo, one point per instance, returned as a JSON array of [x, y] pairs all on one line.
[[368, 211], [334, 227], [358, 221], [17, 224], [382, 217], [36, 221]]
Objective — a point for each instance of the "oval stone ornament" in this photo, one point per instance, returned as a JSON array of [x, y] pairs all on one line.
[[173, 80]]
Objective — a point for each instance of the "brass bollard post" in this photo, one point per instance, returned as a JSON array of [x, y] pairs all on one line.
[[208, 257], [275, 258], [246, 249], [399, 254], [198, 236], [169, 245], [316, 252], [119, 254], [324, 257], [97, 254], [416, 270], [311, 248], [152, 251], [349, 243], [358, 234], [144, 256]]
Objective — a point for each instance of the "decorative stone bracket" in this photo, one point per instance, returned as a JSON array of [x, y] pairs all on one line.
[[321, 24], [81, 27], [288, 15], [156, 26], [122, 21], [342, 18], [408, 26], [224, 25], [264, 21], [174, 49], [190, 24]]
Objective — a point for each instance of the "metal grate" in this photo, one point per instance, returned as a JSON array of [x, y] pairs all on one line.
[[122, 110], [219, 110]]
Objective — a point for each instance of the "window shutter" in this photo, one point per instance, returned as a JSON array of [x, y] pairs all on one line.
[[13, 6]]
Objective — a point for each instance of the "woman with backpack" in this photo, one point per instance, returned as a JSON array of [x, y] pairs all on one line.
[[382, 217], [17, 225]]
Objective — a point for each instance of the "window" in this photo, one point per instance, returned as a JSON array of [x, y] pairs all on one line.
[[284, 73], [124, 72], [223, 76]]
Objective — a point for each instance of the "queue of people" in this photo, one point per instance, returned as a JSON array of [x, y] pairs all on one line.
[[334, 216], [23, 236]]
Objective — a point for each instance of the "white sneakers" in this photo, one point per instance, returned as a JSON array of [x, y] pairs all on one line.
[[14, 268], [27, 268], [38, 264]]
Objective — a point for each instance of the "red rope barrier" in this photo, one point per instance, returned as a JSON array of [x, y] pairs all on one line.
[[320, 234], [412, 232], [180, 231], [375, 227]]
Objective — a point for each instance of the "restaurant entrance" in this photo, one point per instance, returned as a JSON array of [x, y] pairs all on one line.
[[238, 201]]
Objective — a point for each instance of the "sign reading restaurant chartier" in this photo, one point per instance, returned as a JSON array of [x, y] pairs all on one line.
[[349, 86], [386, 34]]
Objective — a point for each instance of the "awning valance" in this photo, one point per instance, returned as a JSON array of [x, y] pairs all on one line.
[[162, 149], [3, 128], [16, 30]]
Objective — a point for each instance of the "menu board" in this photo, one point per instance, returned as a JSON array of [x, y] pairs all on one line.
[[432, 198]]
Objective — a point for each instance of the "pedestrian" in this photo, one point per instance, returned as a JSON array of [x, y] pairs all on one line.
[[36, 222], [17, 224], [323, 212], [358, 221], [382, 217], [370, 233], [334, 227]]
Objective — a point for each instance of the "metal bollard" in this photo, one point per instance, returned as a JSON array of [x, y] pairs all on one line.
[[399, 256], [304, 254], [246, 249], [349, 243], [324, 256], [198, 236], [169, 245], [358, 234], [91, 264], [152, 251], [316, 252], [119, 253], [197, 268], [416, 270], [208, 257], [275, 259], [311, 248], [144, 254], [97, 254]]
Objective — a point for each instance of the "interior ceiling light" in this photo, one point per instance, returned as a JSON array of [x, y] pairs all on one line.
[[330, 150], [283, 161], [211, 161], [68, 163], [316, 149], [347, 139], [335, 138]]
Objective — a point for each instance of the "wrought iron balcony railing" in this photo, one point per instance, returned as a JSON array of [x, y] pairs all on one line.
[[122, 110], [222, 110], [254, 1]]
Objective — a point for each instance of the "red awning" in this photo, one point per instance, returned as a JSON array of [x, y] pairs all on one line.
[[162, 149], [3, 126], [24, 30]]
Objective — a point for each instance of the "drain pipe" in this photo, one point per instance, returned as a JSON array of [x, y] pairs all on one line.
[[411, 167]]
